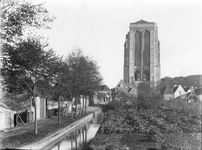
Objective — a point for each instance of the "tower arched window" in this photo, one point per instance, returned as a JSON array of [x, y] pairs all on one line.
[[137, 76], [138, 48], [146, 52], [146, 76]]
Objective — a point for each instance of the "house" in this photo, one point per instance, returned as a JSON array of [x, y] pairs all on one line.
[[167, 93], [120, 95], [190, 97], [132, 92], [188, 89], [103, 95], [6, 117], [198, 92], [121, 88], [178, 91]]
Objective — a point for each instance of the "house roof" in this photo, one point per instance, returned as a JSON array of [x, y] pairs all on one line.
[[198, 91], [143, 22], [120, 94], [103, 88], [121, 84], [189, 94], [186, 88], [132, 91], [175, 88], [166, 90]]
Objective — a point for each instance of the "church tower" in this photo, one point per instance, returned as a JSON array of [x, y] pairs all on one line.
[[142, 54]]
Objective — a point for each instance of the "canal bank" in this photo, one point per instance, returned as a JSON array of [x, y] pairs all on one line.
[[57, 136], [54, 138], [24, 135], [81, 136]]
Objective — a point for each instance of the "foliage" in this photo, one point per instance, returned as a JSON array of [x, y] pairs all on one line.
[[25, 63], [143, 89], [84, 75], [193, 108], [153, 122], [149, 101], [61, 83], [19, 15], [29, 65], [192, 80]]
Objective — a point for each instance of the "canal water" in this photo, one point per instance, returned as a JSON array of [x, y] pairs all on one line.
[[81, 135]]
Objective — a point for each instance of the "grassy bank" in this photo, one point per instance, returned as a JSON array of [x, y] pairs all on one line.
[[25, 135]]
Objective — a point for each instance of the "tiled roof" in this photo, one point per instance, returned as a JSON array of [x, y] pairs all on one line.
[[186, 88], [103, 87], [188, 94], [166, 90], [163, 90], [142, 22], [132, 91], [175, 88], [121, 82], [120, 94]]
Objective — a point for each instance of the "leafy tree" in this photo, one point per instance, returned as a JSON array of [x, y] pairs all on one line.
[[20, 15], [16, 17], [61, 88], [29, 69], [192, 80], [84, 74], [25, 63]]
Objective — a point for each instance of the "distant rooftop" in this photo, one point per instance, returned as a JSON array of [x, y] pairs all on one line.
[[175, 88], [143, 22]]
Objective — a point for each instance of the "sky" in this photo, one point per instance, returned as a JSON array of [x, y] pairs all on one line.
[[99, 27]]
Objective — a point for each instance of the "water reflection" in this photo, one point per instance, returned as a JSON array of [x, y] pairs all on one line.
[[82, 135]]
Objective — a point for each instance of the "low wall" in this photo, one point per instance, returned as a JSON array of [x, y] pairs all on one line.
[[51, 140]]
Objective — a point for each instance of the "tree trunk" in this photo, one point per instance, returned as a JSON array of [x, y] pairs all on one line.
[[76, 108], [16, 119], [85, 104], [35, 125], [72, 112], [59, 120]]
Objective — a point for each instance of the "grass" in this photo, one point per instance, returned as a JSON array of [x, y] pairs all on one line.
[[20, 137]]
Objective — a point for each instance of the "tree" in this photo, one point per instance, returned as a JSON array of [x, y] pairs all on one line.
[[29, 69], [16, 16], [25, 64], [84, 75], [61, 86]]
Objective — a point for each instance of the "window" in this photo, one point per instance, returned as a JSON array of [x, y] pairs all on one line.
[[138, 48], [146, 76], [137, 76], [146, 52]]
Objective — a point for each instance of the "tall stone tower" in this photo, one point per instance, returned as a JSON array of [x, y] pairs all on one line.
[[142, 54]]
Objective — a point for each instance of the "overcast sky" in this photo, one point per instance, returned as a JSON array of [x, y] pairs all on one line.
[[98, 27]]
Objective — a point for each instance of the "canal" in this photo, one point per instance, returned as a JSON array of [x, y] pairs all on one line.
[[81, 135]]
